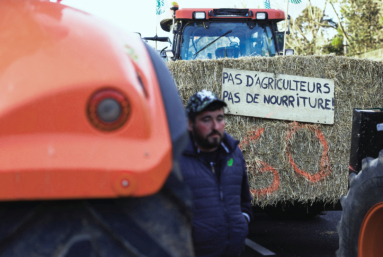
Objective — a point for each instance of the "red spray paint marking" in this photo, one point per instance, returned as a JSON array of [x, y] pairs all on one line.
[[274, 185], [325, 167], [271, 113], [254, 136]]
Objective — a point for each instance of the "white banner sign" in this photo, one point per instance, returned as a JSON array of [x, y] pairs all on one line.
[[278, 96]]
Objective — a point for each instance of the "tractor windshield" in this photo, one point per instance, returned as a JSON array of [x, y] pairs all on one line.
[[226, 40]]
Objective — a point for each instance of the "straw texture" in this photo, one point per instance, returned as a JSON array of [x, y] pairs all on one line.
[[289, 161]]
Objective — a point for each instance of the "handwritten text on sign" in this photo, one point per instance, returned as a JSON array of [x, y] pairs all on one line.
[[277, 96]]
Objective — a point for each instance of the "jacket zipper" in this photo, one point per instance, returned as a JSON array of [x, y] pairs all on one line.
[[220, 194], [219, 182], [223, 203], [212, 167], [221, 198]]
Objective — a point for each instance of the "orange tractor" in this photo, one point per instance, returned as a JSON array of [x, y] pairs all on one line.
[[91, 128], [204, 33]]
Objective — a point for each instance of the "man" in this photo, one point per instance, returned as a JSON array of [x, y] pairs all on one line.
[[214, 168]]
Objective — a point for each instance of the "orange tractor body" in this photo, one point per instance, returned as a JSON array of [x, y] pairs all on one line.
[[91, 125], [54, 60]]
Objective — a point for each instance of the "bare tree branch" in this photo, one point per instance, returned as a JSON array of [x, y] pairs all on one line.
[[300, 32], [324, 25], [341, 26]]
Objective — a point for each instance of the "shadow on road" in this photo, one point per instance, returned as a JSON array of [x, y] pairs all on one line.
[[292, 237]]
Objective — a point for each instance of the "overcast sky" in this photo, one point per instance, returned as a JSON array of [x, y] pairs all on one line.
[[140, 16]]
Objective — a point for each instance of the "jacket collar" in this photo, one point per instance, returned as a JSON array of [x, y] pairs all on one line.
[[229, 145]]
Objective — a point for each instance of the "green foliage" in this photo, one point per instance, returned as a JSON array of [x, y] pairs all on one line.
[[364, 25], [335, 46], [337, 41], [308, 31], [363, 29]]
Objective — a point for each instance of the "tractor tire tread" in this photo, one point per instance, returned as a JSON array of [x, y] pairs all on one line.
[[366, 190]]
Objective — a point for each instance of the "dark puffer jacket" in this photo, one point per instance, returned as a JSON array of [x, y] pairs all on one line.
[[219, 227]]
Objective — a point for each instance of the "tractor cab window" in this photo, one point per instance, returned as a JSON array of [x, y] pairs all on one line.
[[226, 40]]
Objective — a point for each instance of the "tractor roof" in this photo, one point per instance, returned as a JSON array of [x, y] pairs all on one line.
[[223, 13]]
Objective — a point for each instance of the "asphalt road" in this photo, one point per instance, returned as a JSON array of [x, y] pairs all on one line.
[[291, 237]]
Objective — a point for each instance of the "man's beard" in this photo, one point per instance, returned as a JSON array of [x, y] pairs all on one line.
[[204, 142]]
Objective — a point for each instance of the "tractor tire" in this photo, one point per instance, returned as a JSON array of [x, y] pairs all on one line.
[[157, 225], [361, 225]]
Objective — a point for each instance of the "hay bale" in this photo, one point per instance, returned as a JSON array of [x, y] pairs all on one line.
[[288, 161]]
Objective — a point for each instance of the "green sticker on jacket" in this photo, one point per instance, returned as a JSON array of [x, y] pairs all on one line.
[[230, 162]]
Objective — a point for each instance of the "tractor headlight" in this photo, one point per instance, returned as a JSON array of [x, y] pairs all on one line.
[[289, 51], [108, 109], [199, 15], [261, 16]]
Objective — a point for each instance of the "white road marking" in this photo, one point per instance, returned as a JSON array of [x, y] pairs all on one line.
[[258, 248]]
